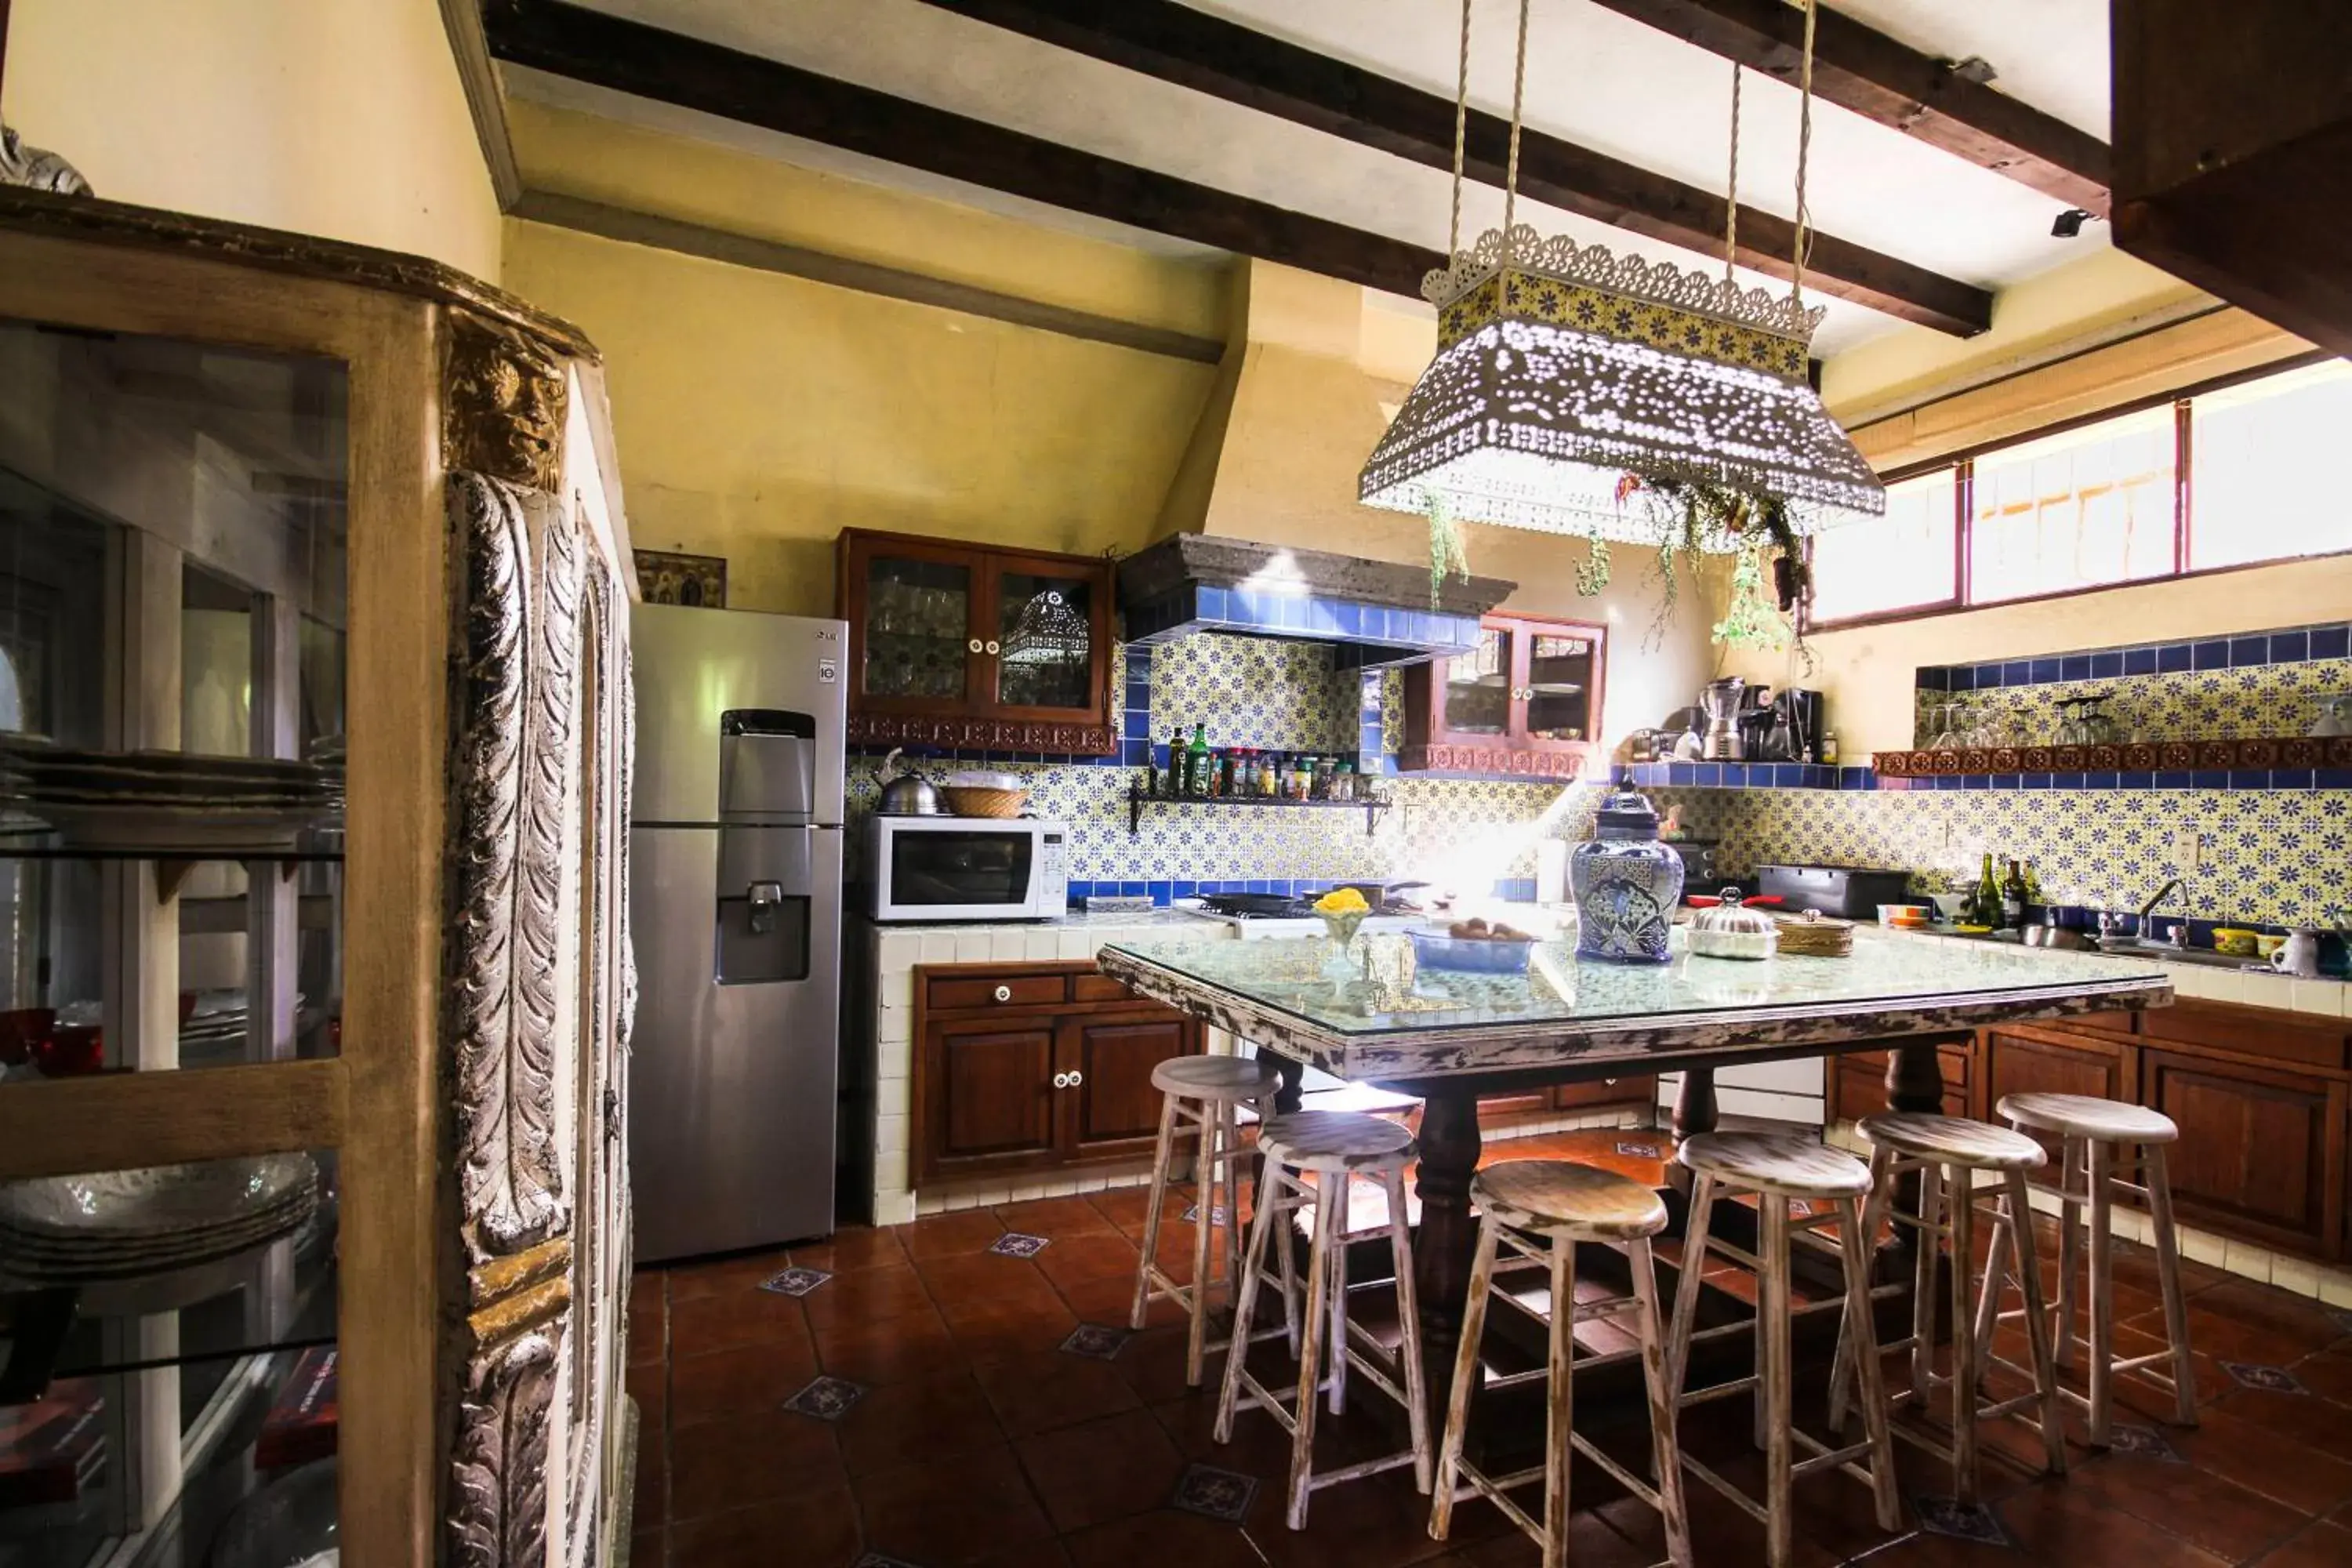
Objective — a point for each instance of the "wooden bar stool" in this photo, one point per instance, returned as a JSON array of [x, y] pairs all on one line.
[[1335, 1147], [2100, 1137], [1205, 1092], [1778, 1168], [1948, 1151], [1539, 1210]]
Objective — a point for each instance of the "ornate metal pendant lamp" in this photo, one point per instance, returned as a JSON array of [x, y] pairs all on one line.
[[1569, 381]]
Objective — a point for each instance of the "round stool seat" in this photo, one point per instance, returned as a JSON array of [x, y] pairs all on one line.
[[1566, 1202], [1954, 1141], [1215, 1077], [2087, 1116], [1333, 1141], [1774, 1163]]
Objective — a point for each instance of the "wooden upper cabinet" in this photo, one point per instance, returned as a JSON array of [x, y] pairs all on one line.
[[1526, 700], [951, 645]]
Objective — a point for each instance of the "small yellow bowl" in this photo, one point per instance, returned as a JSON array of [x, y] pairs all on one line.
[[2234, 941], [2268, 943]]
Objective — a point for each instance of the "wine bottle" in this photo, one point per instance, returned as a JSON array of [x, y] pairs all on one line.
[[1179, 777], [1196, 762], [1984, 910], [2012, 899]]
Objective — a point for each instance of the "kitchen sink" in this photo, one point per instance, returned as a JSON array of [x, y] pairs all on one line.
[[2202, 957]]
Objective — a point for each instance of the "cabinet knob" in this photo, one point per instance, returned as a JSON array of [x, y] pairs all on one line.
[[1003, 993], [975, 645], [1077, 1080], [1061, 1080], [991, 647]]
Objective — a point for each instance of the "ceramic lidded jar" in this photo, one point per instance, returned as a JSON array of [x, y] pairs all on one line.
[[1625, 883]]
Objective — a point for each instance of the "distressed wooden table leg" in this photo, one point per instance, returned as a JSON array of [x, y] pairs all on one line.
[[1914, 1083], [1694, 1111], [1449, 1158]]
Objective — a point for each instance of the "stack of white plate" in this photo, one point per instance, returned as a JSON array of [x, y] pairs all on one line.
[[116, 1224], [147, 800]]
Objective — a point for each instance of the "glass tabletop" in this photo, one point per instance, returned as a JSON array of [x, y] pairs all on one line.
[[1377, 988]]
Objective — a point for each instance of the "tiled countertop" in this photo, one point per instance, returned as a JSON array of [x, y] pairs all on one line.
[[2252, 987]]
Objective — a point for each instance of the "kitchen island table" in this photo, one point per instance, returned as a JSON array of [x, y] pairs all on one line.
[[1448, 1038]]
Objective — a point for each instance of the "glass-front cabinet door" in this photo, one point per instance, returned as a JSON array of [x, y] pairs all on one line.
[[921, 627], [1476, 700], [1562, 687], [1045, 649]]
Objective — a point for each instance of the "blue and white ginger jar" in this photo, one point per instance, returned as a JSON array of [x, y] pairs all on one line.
[[1625, 883]]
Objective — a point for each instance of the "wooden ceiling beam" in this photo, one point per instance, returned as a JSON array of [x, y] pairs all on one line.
[[1861, 68], [1240, 64], [688, 73]]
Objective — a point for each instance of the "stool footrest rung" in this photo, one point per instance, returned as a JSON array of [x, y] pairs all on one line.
[[1731, 1493], [1716, 1391], [1625, 1477], [1492, 1491], [1356, 1471], [1829, 1458]]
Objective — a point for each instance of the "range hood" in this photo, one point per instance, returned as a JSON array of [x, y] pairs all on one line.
[[1374, 612], [1265, 535]]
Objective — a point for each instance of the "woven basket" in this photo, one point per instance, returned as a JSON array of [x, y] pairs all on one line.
[[965, 801], [1815, 935]]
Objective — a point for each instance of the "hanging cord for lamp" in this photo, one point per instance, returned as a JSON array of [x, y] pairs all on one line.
[[1511, 167], [1731, 186], [1461, 135], [1804, 146]]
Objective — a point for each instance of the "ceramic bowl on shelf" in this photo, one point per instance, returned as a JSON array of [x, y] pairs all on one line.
[[1905, 917]]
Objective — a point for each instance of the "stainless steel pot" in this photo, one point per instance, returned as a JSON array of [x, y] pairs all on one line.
[[906, 793]]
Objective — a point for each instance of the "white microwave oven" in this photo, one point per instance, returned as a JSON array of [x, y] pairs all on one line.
[[967, 868]]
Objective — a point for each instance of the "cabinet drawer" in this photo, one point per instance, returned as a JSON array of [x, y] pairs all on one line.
[[2255, 1031], [995, 990], [1633, 1089], [1100, 988]]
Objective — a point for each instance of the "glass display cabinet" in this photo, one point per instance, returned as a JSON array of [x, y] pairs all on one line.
[[1526, 700], [314, 719], [960, 647]]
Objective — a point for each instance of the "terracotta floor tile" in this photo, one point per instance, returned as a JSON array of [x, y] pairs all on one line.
[[903, 1423], [2321, 1426], [1009, 1328], [852, 1251], [1099, 1255], [2268, 1307], [950, 1516], [2321, 1545], [2264, 1461], [981, 1277], [1058, 1220], [2328, 1373], [818, 1529], [1101, 1470], [648, 1319], [2226, 1337], [1356, 1524], [1107, 1300], [744, 1459], [720, 1276], [2219, 1516], [885, 1290], [1039, 1393], [1125, 1207], [908, 1347], [1153, 1363], [2068, 1526], [945, 1235], [735, 1382], [745, 1315], [1165, 1539], [1719, 1531]]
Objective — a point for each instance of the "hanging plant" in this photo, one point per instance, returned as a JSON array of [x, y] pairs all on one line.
[[1749, 619], [1445, 553], [1592, 572]]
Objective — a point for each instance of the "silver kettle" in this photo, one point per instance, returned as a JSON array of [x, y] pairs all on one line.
[[905, 792]]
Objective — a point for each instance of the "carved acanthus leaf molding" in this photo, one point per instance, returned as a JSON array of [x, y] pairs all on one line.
[[505, 401]]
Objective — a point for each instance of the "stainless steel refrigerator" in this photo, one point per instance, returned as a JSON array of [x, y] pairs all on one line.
[[735, 867]]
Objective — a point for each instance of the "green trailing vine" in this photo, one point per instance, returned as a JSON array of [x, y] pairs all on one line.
[[1592, 572], [1445, 552]]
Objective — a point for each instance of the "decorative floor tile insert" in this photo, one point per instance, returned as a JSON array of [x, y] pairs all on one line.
[[1639, 1150], [1960, 1520], [1212, 1493], [2143, 1443], [1095, 1340], [794, 1281], [1192, 1213], [2276, 1379], [1016, 1243], [826, 1398]]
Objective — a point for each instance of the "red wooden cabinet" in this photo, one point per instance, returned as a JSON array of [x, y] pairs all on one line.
[[951, 645], [1527, 701], [1031, 1067]]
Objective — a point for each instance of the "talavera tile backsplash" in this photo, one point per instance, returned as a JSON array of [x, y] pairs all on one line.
[[2269, 857]]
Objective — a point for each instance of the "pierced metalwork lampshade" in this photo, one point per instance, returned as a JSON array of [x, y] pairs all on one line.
[[1048, 631], [1562, 368]]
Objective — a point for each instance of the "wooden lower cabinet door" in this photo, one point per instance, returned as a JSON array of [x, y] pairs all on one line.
[[988, 1100], [1633, 1089], [2261, 1151], [1113, 1103]]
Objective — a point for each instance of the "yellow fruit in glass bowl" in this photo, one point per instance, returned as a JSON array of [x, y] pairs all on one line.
[[1342, 901]]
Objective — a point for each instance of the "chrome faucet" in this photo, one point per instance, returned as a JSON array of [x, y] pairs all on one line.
[[2148, 911]]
